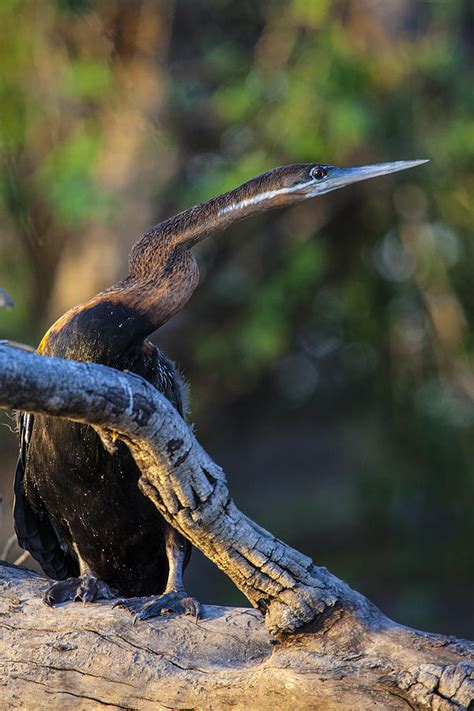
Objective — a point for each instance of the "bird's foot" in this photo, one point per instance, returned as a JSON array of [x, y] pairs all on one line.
[[175, 602], [85, 589]]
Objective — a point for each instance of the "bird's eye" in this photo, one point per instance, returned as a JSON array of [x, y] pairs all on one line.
[[318, 173]]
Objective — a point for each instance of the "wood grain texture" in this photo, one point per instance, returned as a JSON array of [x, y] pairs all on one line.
[[92, 656], [332, 648]]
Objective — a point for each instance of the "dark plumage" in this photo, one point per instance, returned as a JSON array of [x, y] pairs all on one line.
[[36, 533], [70, 492]]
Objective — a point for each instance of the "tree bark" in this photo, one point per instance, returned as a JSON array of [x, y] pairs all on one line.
[[335, 648]]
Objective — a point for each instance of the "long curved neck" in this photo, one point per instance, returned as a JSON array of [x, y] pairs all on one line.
[[191, 226], [161, 278], [161, 262]]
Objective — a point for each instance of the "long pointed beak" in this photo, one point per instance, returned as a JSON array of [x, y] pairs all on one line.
[[340, 177]]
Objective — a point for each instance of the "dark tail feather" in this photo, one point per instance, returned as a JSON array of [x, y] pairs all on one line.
[[35, 532]]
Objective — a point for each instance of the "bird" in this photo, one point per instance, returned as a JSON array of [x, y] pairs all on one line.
[[78, 509]]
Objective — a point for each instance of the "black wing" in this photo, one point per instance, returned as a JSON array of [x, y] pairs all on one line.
[[35, 530]]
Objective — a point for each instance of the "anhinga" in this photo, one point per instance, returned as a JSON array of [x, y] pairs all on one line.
[[78, 508]]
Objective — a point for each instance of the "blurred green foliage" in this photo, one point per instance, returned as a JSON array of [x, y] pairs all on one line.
[[344, 328]]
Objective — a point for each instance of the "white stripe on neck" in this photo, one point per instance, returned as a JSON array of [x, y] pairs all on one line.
[[261, 197]]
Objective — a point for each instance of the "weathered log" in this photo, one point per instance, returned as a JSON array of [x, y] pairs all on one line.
[[347, 653], [84, 657]]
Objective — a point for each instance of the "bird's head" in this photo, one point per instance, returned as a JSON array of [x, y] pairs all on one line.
[[290, 184], [307, 180]]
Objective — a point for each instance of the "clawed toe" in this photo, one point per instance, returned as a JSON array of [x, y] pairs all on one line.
[[85, 589], [178, 603], [61, 591], [191, 607], [132, 604]]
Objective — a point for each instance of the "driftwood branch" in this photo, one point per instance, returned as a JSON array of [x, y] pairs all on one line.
[[347, 654]]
